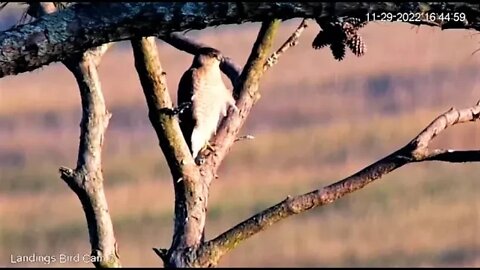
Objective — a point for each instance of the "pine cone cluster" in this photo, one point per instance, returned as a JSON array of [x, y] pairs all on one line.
[[339, 34]]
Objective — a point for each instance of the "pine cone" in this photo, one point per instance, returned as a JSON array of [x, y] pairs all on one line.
[[339, 34], [349, 29], [356, 45], [338, 50], [357, 23], [321, 40]]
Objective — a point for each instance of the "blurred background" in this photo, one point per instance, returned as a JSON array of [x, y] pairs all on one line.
[[318, 121]]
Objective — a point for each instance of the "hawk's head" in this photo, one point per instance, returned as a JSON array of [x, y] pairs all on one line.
[[207, 56]]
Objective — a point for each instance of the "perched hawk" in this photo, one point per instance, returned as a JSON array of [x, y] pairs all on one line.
[[202, 85]]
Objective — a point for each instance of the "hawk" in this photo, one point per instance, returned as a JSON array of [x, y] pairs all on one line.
[[202, 85]]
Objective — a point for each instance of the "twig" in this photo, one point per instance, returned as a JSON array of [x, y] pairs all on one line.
[[291, 41], [415, 151], [162, 253], [245, 137]]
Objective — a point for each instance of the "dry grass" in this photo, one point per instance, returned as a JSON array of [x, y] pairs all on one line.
[[315, 124]]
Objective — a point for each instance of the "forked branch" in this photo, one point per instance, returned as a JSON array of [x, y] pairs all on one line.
[[191, 198], [415, 151], [191, 191]]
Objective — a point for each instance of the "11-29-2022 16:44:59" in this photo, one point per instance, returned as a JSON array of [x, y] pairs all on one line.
[[416, 17]]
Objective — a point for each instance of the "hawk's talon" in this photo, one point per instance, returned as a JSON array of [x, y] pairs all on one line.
[[210, 147], [200, 159]]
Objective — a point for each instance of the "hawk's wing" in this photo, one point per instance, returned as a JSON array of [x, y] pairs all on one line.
[[184, 94]]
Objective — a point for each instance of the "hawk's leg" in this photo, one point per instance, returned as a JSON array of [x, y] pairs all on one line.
[[209, 146]]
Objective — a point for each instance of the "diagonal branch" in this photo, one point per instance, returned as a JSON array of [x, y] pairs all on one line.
[[87, 178], [248, 93], [86, 25], [415, 151], [290, 42], [154, 84]]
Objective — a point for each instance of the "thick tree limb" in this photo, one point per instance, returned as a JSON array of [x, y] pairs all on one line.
[[415, 151], [85, 25], [191, 190], [154, 84], [183, 253], [176, 255], [87, 179]]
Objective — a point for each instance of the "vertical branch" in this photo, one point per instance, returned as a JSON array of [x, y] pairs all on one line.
[[87, 178], [191, 191]]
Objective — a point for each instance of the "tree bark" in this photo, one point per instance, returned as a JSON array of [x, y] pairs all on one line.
[[415, 151], [85, 25], [191, 191], [65, 35], [191, 184], [87, 179]]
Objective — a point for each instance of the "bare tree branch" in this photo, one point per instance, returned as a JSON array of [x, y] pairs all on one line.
[[87, 179], [291, 41], [453, 156], [154, 84], [197, 193], [415, 151], [247, 87], [86, 25], [247, 91], [191, 190]]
